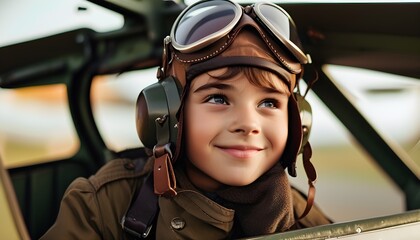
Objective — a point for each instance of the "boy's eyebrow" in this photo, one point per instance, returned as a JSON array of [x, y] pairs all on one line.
[[274, 90], [216, 85]]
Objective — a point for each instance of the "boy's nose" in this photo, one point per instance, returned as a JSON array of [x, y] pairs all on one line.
[[245, 121]]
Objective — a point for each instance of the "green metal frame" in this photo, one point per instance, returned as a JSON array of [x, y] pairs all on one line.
[[351, 229], [390, 158]]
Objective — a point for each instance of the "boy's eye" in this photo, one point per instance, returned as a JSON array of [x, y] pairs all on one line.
[[216, 99], [269, 103]]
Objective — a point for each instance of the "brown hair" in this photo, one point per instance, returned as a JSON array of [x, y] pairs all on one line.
[[256, 76]]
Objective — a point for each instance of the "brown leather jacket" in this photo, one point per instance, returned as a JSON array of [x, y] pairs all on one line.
[[93, 208]]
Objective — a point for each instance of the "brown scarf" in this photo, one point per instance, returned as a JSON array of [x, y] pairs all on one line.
[[262, 207]]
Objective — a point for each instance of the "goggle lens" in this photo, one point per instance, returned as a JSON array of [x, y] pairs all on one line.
[[277, 22], [282, 26], [204, 22]]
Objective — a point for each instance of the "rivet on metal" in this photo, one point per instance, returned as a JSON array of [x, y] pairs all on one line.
[[161, 120]]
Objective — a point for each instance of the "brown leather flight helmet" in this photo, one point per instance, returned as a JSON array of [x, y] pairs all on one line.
[[212, 34]]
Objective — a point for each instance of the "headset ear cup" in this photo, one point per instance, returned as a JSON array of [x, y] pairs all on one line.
[[173, 99], [156, 109], [305, 112]]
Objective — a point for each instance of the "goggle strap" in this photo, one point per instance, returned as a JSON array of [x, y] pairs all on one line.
[[311, 78], [166, 58]]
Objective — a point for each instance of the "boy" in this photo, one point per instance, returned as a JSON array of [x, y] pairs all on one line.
[[219, 172]]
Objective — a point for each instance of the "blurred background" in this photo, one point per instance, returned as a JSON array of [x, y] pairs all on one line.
[[35, 123]]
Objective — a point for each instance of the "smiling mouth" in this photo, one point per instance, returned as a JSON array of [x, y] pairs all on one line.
[[241, 152]]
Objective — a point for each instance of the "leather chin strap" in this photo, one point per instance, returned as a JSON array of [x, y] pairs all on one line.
[[311, 174], [163, 173]]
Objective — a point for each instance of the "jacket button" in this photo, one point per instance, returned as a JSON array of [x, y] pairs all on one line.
[[177, 223]]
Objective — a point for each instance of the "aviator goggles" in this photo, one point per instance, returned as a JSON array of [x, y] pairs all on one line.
[[206, 22]]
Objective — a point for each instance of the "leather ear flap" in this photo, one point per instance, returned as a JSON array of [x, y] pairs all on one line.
[[305, 112], [300, 123], [156, 109]]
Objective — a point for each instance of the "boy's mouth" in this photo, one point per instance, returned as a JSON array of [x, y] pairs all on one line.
[[240, 151]]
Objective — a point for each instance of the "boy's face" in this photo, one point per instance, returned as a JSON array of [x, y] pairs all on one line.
[[234, 131]]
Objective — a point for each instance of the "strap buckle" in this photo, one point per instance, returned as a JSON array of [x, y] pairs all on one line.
[[140, 217]]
